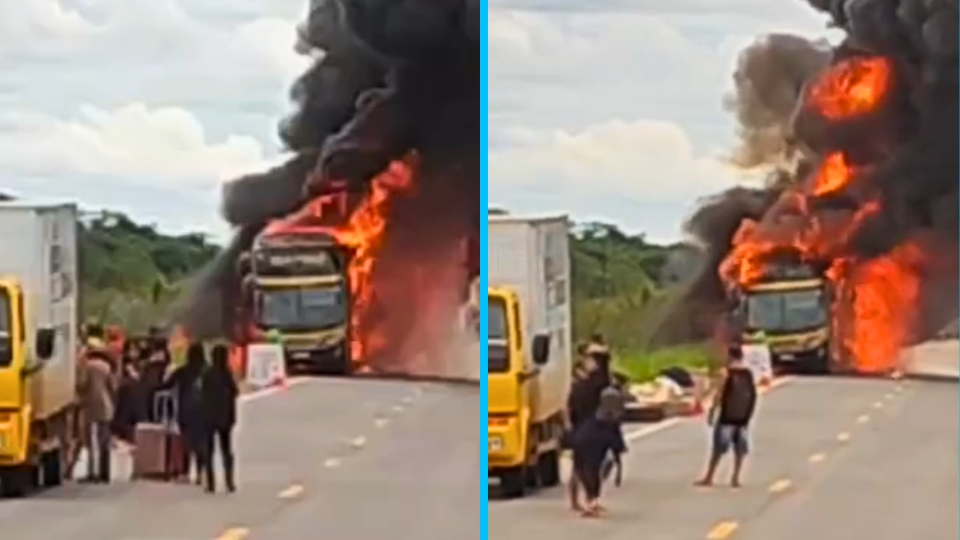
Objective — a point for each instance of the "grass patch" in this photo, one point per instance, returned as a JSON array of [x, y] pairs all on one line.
[[642, 366]]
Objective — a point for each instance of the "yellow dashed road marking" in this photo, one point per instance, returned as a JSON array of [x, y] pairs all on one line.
[[877, 404], [380, 422], [863, 419], [780, 485], [331, 463], [843, 437], [358, 442], [237, 533], [291, 492], [722, 530], [817, 458]]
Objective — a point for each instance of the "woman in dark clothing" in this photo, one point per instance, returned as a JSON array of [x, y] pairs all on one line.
[[127, 413], [220, 394], [582, 404], [186, 381], [153, 371], [593, 441]]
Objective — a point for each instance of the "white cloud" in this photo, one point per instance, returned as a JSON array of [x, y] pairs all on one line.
[[618, 97], [155, 52], [641, 160], [274, 38], [131, 96], [34, 23], [132, 141]]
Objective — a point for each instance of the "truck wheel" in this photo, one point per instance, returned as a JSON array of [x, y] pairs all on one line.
[[51, 468], [548, 469], [18, 481], [513, 482]]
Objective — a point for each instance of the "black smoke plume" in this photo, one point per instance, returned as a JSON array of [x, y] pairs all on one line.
[[392, 76], [910, 145]]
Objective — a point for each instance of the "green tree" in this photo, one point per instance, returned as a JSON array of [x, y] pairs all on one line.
[[131, 272], [621, 282]]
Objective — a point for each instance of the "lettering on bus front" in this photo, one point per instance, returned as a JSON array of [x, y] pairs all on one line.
[[286, 263]]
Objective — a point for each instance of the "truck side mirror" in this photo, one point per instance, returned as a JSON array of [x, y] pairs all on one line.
[[44, 343], [541, 349]]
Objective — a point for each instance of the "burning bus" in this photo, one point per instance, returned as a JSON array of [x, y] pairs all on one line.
[[297, 285], [790, 303]]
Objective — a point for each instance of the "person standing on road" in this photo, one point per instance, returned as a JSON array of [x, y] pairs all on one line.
[[594, 440], [591, 379], [96, 389], [730, 416], [127, 411], [581, 404], [220, 394], [187, 382], [152, 374]]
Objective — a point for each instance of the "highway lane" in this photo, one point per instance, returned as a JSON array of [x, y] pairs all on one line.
[[419, 478], [313, 459], [897, 481], [807, 429]]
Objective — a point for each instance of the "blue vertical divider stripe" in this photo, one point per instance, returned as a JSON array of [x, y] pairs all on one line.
[[483, 262]]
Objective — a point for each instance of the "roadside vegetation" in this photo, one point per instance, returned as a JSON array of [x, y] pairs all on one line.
[[130, 273], [623, 286]]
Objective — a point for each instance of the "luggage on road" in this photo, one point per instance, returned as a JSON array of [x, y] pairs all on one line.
[[158, 451]]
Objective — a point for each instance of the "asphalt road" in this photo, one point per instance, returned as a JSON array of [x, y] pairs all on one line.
[[833, 458], [326, 458]]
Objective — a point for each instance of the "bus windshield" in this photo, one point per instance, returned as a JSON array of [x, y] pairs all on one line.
[[6, 332], [786, 311], [301, 308], [498, 349]]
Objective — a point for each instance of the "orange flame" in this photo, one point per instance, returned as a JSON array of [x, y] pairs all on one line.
[[852, 87], [872, 310], [363, 234], [834, 175], [881, 294]]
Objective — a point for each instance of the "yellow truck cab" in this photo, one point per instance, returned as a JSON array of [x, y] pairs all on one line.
[[38, 333], [528, 351]]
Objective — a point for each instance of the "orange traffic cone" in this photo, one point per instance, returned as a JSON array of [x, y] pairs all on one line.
[[697, 408]]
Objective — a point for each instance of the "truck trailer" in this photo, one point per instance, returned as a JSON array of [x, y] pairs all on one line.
[[529, 347], [39, 312]]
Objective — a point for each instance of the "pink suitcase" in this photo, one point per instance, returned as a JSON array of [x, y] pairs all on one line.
[[158, 446]]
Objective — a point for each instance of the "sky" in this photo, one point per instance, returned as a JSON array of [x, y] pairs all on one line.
[[611, 110], [143, 106], [607, 110]]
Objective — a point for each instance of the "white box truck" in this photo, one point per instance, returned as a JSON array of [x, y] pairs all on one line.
[[529, 348], [39, 311]]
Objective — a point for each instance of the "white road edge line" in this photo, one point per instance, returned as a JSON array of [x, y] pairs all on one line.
[[646, 431], [264, 392]]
